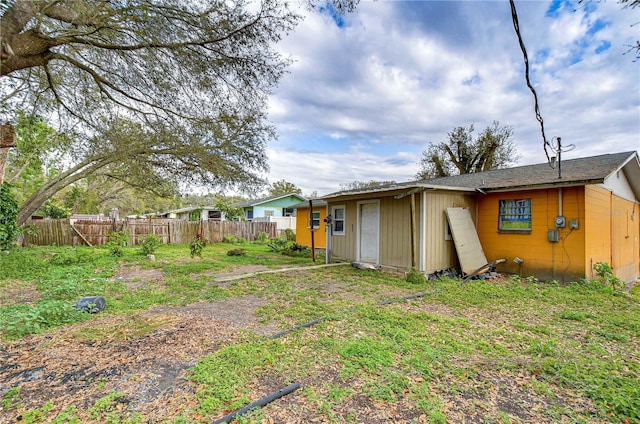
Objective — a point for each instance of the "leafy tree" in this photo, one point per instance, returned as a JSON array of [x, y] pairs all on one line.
[[9, 229], [187, 70], [39, 147], [225, 205], [101, 194], [51, 209], [231, 153], [464, 154], [361, 185], [161, 60], [282, 187]]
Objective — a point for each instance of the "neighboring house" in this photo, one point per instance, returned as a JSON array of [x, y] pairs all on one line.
[[558, 225], [303, 225], [276, 206], [194, 213]]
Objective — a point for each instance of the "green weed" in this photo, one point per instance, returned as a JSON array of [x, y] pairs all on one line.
[[11, 398], [150, 244]]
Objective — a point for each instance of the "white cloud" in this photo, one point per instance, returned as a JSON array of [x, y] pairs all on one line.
[[362, 101]]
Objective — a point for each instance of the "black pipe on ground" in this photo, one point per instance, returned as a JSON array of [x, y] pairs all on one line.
[[290, 388], [297, 327], [316, 321], [412, 296], [259, 403]]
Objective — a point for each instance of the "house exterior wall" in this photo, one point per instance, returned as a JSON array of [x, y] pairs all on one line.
[[613, 233], [261, 211], [625, 232], [619, 184], [438, 251], [563, 260], [274, 207], [282, 222], [344, 246], [303, 233], [597, 227], [432, 251], [608, 230], [395, 231]]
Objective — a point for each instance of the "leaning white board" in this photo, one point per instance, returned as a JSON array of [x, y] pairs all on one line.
[[465, 238]]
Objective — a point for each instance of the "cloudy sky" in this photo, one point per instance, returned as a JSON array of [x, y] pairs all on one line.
[[367, 92]]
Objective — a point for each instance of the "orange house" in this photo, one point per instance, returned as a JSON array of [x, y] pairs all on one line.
[[303, 224], [547, 222]]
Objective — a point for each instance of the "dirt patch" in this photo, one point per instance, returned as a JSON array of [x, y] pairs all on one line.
[[135, 277], [15, 292], [240, 312], [493, 393], [149, 369], [241, 270]]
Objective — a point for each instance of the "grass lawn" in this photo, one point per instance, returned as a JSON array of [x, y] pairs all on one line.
[[498, 351]]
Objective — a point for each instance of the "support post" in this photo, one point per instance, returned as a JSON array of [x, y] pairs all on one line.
[[413, 230], [313, 245]]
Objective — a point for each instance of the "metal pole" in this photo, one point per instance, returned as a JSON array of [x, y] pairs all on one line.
[[313, 245], [559, 158]]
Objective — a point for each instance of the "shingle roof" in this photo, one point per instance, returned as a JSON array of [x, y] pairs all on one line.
[[254, 202], [589, 170], [316, 203]]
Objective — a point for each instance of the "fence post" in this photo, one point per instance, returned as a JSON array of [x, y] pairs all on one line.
[[114, 215]]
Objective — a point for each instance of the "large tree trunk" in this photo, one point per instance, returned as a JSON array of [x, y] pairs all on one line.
[[7, 141], [78, 172]]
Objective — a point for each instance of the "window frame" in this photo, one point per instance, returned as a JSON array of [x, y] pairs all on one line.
[[214, 215], [447, 229], [315, 223], [519, 211], [335, 220], [287, 212]]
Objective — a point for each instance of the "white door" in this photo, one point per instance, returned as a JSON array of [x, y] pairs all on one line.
[[368, 232]]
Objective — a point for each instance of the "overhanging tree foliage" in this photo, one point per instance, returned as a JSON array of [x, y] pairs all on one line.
[[229, 153], [196, 73], [355, 185], [156, 60], [462, 154]]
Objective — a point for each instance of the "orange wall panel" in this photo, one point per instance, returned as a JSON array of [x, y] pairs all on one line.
[[624, 232], [303, 233], [563, 260], [597, 227]]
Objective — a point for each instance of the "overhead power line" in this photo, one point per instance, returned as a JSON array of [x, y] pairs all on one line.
[[516, 26]]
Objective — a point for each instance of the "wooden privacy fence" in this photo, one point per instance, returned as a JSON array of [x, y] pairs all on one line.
[[171, 231]]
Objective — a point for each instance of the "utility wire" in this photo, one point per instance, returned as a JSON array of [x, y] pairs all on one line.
[[516, 26]]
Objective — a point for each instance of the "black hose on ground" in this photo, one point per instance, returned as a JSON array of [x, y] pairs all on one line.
[[259, 403], [297, 327], [316, 321], [412, 296], [290, 388]]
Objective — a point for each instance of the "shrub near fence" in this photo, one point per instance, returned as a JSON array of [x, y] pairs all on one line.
[[171, 231]]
